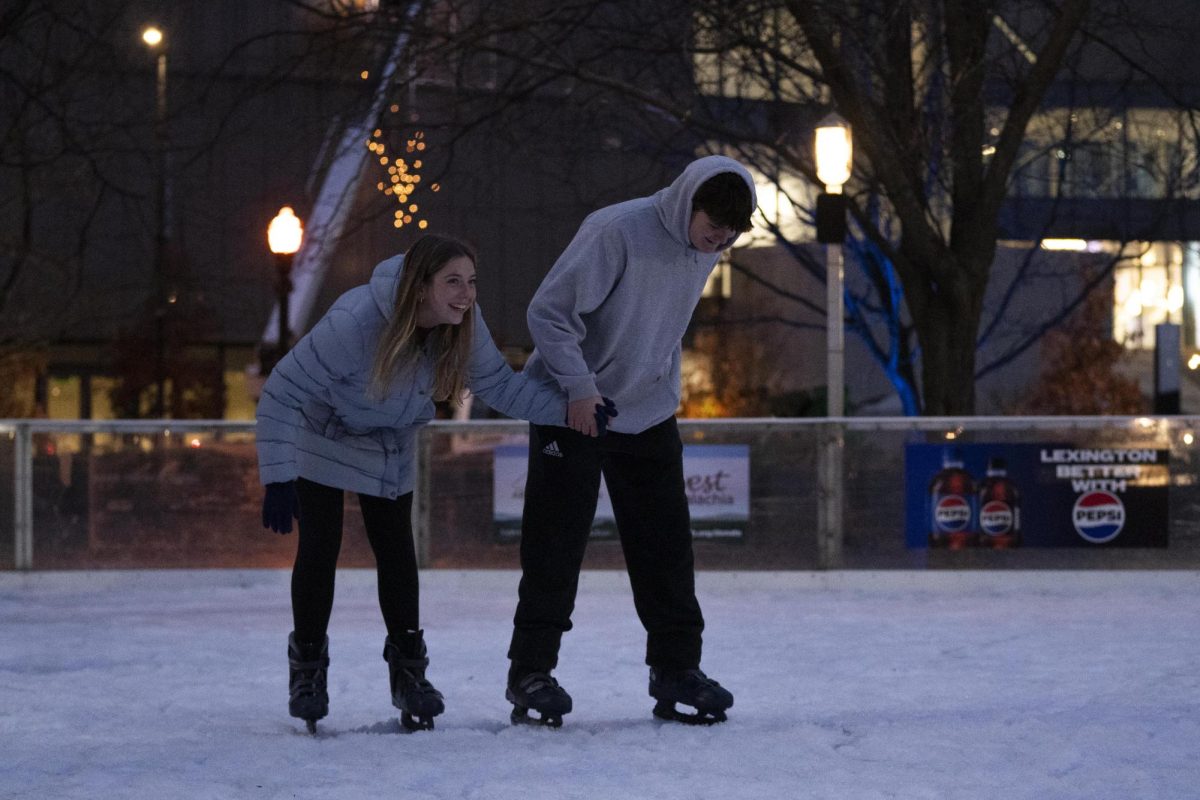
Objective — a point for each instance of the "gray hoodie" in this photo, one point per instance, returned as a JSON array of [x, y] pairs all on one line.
[[609, 317]]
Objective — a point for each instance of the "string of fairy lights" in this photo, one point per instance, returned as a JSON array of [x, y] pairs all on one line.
[[403, 176]]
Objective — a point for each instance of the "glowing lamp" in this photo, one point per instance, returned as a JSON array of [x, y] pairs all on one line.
[[285, 233]]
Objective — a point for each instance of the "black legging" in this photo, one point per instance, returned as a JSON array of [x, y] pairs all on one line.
[[389, 530]]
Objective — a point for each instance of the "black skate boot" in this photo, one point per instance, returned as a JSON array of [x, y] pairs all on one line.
[[416, 698], [692, 688], [308, 663], [531, 687]]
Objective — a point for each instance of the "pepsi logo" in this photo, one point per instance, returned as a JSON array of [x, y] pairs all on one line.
[[996, 518], [1098, 516], [951, 513]]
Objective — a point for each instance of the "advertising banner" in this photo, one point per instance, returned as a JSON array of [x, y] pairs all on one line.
[[716, 479], [1034, 495]]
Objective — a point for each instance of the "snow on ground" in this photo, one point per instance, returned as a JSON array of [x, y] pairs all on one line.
[[173, 684]]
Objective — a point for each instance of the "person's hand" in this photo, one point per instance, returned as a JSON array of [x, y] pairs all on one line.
[[590, 415], [603, 413], [581, 415], [280, 504]]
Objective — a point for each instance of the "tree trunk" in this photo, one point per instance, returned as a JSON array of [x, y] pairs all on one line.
[[946, 332]]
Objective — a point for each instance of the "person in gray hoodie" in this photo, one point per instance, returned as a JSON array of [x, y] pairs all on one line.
[[608, 320], [340, 412]]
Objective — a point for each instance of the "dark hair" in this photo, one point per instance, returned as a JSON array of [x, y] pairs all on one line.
[[726, 199], [450, 345]]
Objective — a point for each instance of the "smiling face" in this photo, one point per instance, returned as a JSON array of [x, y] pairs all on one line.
[[707, 236], [448, 295]]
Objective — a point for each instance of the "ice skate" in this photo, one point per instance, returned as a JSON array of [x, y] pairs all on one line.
[[307, 667], [691, 687], [531, 688], [415, 696]]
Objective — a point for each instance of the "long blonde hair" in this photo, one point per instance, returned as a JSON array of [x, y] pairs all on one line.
[[449, 345]]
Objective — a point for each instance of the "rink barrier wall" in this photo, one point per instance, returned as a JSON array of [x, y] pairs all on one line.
[[824, 494]]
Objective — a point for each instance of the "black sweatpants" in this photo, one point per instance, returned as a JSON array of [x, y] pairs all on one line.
[[644, 475], [389, 530]]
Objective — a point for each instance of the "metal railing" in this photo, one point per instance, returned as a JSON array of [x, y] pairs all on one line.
[[22, 433], [823, 493]]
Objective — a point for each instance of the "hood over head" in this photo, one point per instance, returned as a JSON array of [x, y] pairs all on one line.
[[674, 203]]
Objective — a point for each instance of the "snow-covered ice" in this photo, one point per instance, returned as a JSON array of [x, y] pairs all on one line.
[[849, 685]]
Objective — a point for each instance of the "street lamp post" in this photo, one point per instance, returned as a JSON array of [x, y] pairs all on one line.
[[284, 236], [153, 37], [834, 155]]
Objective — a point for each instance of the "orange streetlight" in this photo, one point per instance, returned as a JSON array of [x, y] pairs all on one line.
[[285, 234], [152, 36]]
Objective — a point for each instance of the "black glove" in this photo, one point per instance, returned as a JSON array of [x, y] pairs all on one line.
[[280, 504], [603, 412]]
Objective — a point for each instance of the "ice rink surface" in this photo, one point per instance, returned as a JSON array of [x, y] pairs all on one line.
[[848, 685]]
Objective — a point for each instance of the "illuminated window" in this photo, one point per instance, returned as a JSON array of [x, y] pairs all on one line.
[[1148, 290], [777, 211], [63, 397], [720, 280], [240, 404], [1101, 153], [1191, 296]]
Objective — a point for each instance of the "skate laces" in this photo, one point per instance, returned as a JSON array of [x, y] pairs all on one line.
[[409, 678], [537, 681], [421, 683], [697, 684], [308, 682], [684, 682], [309, 676]]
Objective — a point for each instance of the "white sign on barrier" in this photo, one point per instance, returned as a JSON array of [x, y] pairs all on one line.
[[716, 479]]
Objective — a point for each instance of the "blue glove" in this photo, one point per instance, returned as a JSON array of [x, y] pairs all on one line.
[[280, 504], [603, 412]]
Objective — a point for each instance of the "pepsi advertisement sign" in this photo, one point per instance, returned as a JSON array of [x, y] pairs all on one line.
[[1003, 496], [1098, 517]]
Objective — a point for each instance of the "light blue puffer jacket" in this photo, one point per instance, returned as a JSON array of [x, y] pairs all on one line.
[[316, 419]]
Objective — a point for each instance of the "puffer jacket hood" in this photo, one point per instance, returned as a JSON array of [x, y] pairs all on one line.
[[385, 280]]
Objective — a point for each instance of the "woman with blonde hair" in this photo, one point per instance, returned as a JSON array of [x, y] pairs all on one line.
[[340, 413]]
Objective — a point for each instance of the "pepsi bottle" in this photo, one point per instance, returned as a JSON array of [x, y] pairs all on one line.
[[999, 508], [952, 504]]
